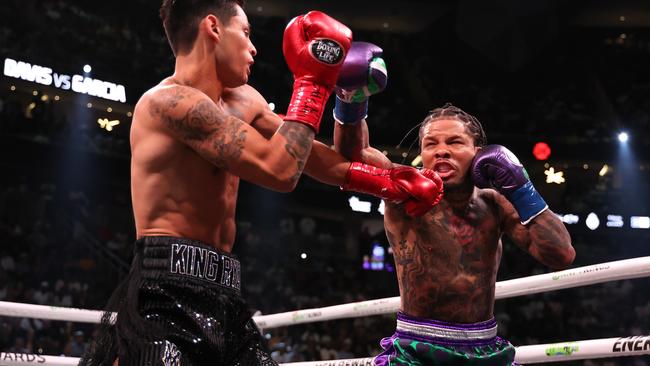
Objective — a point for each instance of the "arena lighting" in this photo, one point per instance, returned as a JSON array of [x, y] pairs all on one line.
[[382, 207], [592, 221], [603, 170], [623, 137], [614, 221], [554, 177], [303, 255], [104, 123], [87, 69], [569, 219], [377, 258], [640, 222], [541, 151], [416, 161], [272, 106], [359, 206], [634, 196]]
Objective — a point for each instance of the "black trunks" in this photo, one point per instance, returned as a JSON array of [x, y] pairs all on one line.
[[179, 305]]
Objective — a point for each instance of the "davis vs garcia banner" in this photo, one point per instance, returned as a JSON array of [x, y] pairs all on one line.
[[77, 83]]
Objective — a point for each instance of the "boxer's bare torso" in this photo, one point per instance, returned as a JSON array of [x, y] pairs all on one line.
[[175, 191], [447, 260]]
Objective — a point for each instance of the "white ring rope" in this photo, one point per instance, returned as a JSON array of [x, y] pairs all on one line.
[[552, 352], [581, 276]]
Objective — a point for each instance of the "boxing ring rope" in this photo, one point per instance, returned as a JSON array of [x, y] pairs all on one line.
[[575, 277], [552, 352], [556, 352], [581, 276]]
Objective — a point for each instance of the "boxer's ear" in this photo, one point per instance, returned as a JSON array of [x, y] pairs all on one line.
[[212, 26]]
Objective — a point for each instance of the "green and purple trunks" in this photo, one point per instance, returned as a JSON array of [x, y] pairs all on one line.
[[420, 341]]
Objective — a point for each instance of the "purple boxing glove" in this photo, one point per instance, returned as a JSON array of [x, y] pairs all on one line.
[[363, 74], [495, 166]]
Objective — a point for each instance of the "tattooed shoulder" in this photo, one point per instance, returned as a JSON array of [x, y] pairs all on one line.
[[200, 123], [165, 99]]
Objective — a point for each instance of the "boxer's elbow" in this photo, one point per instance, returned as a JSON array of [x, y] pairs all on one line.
[[561, 258], [568, 256], [287, 184], [565, 259], [283, 177], [567, 253]]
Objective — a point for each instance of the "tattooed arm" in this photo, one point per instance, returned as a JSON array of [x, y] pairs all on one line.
[[229, 143], [324, 164], [545, 237]]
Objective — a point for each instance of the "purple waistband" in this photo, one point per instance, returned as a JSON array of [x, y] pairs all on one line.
[[436, 330]]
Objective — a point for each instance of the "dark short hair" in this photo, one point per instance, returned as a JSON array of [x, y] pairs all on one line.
[[181, 18], [473, 126]]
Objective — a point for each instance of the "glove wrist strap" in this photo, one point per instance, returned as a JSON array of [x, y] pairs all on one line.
[[528, 202], [350, 112], [368, 179], [307, 103]]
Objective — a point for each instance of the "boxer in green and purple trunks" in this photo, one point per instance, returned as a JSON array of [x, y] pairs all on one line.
[[447, 257]]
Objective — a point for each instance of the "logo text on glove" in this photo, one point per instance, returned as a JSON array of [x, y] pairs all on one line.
[[327, 51]]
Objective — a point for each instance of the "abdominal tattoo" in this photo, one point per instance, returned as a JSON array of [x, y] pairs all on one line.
[[299, 142], [444, 269]]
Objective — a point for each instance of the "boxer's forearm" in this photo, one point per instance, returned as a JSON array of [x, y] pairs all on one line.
[[298, 144], [326, 165], [351, 140], [550, 242]]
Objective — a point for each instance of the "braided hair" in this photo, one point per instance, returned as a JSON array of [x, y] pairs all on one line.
[[473, 126]]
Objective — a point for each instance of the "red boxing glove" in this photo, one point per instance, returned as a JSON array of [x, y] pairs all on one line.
[[397, 185], [417, 208], [314, 47]]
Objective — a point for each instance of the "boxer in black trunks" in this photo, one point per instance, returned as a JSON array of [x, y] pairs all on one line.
[[193, 137]]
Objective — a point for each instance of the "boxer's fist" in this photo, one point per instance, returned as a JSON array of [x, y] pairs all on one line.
[[314, 47], [416, 207], [495, 166], [363, 74], [401, 184]]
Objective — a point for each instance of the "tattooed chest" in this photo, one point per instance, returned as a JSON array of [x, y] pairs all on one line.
[[446, 270]]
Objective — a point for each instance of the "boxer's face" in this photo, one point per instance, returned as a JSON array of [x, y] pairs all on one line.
[[235, 51], [448, 148]]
